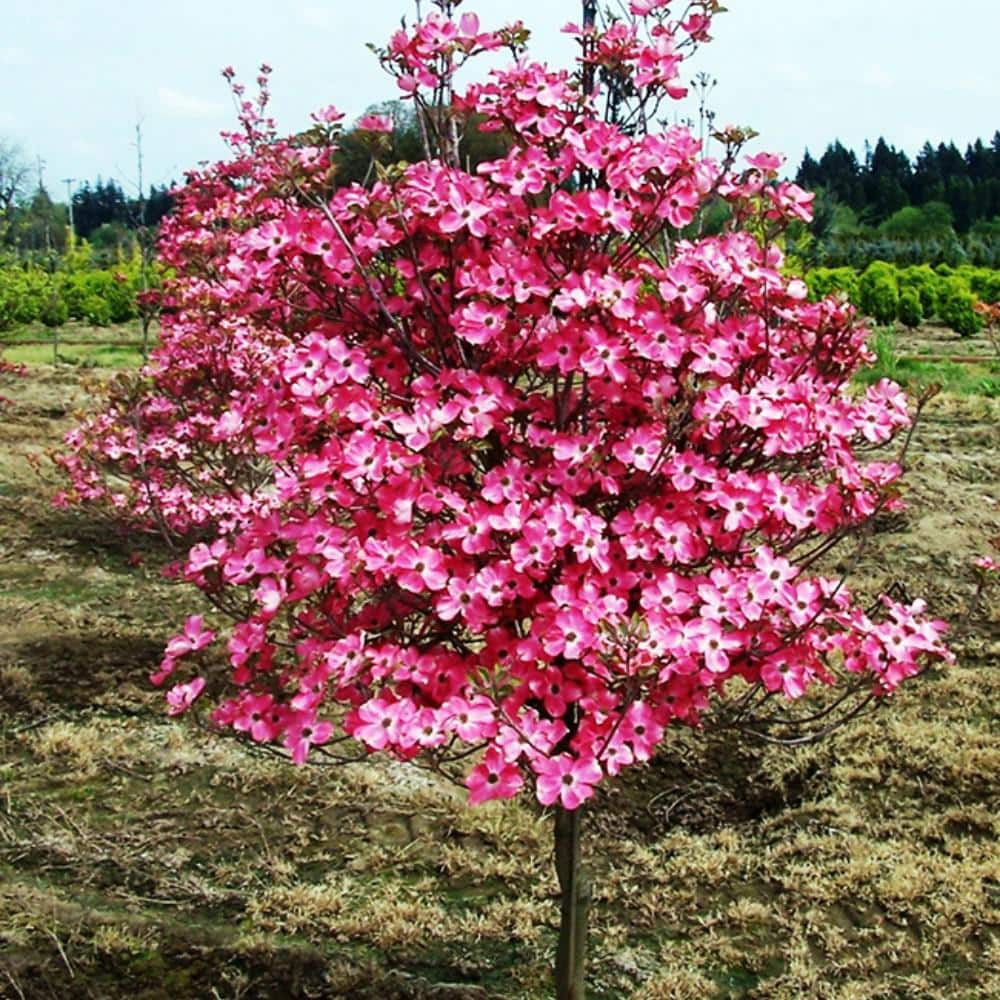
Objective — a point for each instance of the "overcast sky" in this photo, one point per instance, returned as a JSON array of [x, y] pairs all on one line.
[[75, 75]]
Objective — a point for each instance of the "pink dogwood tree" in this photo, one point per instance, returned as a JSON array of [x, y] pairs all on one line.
[[507, 471]]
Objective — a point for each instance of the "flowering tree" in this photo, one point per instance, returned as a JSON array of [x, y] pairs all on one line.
[[506, 472]]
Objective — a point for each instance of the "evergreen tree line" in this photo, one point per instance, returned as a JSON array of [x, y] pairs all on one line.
[[36, 224], [105, 203], [963, 190]]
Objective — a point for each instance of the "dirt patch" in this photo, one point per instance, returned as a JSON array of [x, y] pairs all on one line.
[[937, 340]]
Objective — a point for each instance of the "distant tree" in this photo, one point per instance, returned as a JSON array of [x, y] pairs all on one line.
[[960, 195], [879, 292], [111, 241], [14, 171], [810, 175], [951, 161], [957, 307], [910, 311], [841, 173], [987, 228], [980, 160], [38, 225], [926, 182], [362, 148], [931, 221], [95, 206], [105, 203], [886, 178], [158, 203], [966, 184]]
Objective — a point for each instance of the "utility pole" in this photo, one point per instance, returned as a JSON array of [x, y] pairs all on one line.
[[69, 201], [145, 242], [589, 24]]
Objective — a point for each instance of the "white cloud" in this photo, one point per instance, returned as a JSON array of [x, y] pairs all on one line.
[[83, 147], [315, 17], [975, 86], [790, 73], [878, 76], [11, 55], [179, 103]]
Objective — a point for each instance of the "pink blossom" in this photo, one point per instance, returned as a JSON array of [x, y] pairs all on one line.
[[493, 778], [303, 733], [182, 696], [566, 779], [375, 123], [194, 638]]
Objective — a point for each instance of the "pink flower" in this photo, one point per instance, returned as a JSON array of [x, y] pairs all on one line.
[[480, 323], [329, 115], [567, 779], [420, 569], [470, 719], [194, 638], [493, 778], [641, 729], [644, 7], [379, 722], [375, 123], [782, 673], [303, 733], [617, 756], [182, 696], [464, 213], [766, 162], [259, 717], [462, 599], [707, 639]]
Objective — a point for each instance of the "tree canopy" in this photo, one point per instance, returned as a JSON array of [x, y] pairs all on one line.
[[885, 180]]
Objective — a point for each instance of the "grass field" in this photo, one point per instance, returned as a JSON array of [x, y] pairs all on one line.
[[142, 857], [77, 345], [932, 361]]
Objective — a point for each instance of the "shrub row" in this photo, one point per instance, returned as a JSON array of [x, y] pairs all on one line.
[[70, 289], [911, 295]]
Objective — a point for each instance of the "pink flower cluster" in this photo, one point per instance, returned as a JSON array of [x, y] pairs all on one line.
[[505, 460]]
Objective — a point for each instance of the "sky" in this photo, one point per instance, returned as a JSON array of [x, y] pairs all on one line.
[[77, 75]]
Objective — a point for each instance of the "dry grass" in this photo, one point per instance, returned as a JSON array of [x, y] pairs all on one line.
[[141, 857]]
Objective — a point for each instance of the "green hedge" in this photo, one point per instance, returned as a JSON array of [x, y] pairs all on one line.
[[888, 293], [54, 291]]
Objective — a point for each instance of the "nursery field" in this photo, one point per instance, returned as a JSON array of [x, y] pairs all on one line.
[[142, 857], [78, 344]]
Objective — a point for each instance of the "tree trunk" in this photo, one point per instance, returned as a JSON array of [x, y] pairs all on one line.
[[574, 906]]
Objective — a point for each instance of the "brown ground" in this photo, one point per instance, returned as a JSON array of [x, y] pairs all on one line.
[[142, 858], [938, 340]]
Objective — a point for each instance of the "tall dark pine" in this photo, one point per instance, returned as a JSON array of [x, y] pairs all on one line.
[[886, 180], [809, 174], [927, 183], [842, 175]]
